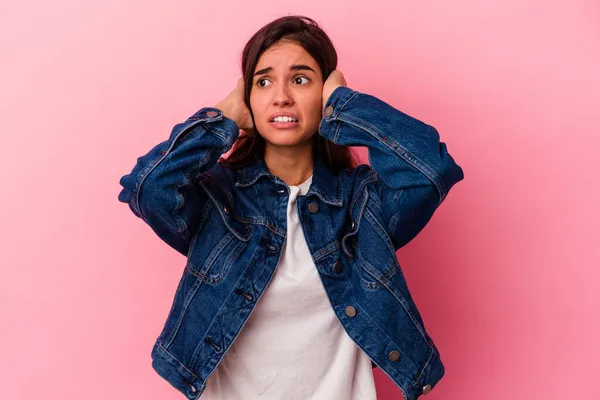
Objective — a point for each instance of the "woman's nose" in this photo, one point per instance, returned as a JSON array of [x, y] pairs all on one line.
[[282, 96]]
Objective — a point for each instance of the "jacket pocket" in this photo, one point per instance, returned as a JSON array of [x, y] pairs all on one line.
[[214, 250], [349, 240], [375, 252]]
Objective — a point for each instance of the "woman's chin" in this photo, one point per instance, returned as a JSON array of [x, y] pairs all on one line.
[[285, 143], [286, 139]]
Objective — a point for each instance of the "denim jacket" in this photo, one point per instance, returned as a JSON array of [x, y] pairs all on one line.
[[231, 226]]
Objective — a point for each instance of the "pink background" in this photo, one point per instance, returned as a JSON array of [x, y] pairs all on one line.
[[505, 275]]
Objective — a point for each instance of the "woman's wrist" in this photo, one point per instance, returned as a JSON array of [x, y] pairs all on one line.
[[227, 112]]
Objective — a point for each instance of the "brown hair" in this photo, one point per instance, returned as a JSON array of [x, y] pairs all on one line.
[[305, 32]]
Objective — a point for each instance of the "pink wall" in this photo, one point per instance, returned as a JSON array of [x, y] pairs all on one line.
[[505, 275]]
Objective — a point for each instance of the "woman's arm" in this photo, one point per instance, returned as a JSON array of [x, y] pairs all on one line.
[[415, 169], [162, 188]]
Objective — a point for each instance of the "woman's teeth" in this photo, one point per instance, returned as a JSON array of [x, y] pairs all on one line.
[[284, 119]]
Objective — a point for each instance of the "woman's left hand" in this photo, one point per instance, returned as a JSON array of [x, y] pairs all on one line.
[[335, 80]]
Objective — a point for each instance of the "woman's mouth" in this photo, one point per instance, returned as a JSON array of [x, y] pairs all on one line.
[[283, 122]]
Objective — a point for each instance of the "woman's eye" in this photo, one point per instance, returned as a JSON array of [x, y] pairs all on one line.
[[262, 82], [299, 79]]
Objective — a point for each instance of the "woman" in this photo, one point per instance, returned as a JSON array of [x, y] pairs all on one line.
[[292, 288]]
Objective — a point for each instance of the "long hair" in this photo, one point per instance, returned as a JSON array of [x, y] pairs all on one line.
[[305, 32]]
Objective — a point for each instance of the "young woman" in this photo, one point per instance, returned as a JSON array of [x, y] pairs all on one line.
[[292, 289]]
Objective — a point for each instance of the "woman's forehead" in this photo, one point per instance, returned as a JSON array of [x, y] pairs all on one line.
[[285, 54]]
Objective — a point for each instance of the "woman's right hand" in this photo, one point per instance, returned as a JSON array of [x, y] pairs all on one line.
[[233, 107]]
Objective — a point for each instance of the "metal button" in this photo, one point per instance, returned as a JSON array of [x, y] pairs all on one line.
[[350, 311], [192, 388], [226, 209], [426, 389], [328, 111], [313, 207], [394, 355], [212, 113], [271, 247], [352, 225], [337, 267]]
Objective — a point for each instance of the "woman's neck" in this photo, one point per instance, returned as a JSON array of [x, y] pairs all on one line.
[[293, 165]]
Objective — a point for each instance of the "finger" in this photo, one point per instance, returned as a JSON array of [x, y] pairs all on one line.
[[240, 84]]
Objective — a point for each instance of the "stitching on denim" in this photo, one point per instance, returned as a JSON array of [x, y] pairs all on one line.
[[323, 196], [226, 348], [181, 222], [362, 186], [216, 182], [380, 230], [394, 219], [356, 223], [214, 254], [346, 102], [412, 160], [202, 343], [374, 324], [330, 248], [249, 220], [380, 278], [238, 249], [261, 221], [176, 360], [217, 206], [216, 132], [423, 368], [404, 304], [337, 131], [245, 183], [169, 144], [171, 315], [187, 300], [144, 173]]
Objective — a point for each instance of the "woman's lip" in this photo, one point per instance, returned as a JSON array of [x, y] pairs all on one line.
[[284, 125]]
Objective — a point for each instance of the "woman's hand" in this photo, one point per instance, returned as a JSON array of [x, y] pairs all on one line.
[[233, 107], [335, 80]]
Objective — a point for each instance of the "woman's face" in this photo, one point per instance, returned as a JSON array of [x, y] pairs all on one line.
[[286, 81]]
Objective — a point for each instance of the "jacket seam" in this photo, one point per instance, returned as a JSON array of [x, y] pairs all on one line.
[[423, 368], [397, 149], [176, 360]]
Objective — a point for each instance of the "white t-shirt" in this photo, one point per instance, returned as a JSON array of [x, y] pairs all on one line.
[[293, 347]]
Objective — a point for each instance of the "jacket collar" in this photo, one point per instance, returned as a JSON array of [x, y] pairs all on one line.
[[325, 184]]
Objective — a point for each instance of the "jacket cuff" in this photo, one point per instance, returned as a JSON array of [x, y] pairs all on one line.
[[334, 105], [215, 121], [430, 377]]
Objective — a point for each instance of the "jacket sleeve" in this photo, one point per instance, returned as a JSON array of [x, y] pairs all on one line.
[[414, 169], [163, 190]]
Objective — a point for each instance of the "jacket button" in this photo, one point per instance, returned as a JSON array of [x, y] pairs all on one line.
[[337, 267], [352, 225], [350, 311], [313, 207], [328, 111], [426, 389], [226, 209], [394, 355], [212, 113]]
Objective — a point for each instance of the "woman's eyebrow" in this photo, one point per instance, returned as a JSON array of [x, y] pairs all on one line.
[[301, 67], [295, 67]]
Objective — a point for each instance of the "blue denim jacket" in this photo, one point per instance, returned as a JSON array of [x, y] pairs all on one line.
[[231, 226]]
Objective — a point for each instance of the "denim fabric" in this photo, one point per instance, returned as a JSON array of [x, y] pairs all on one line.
[[231, 226]]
